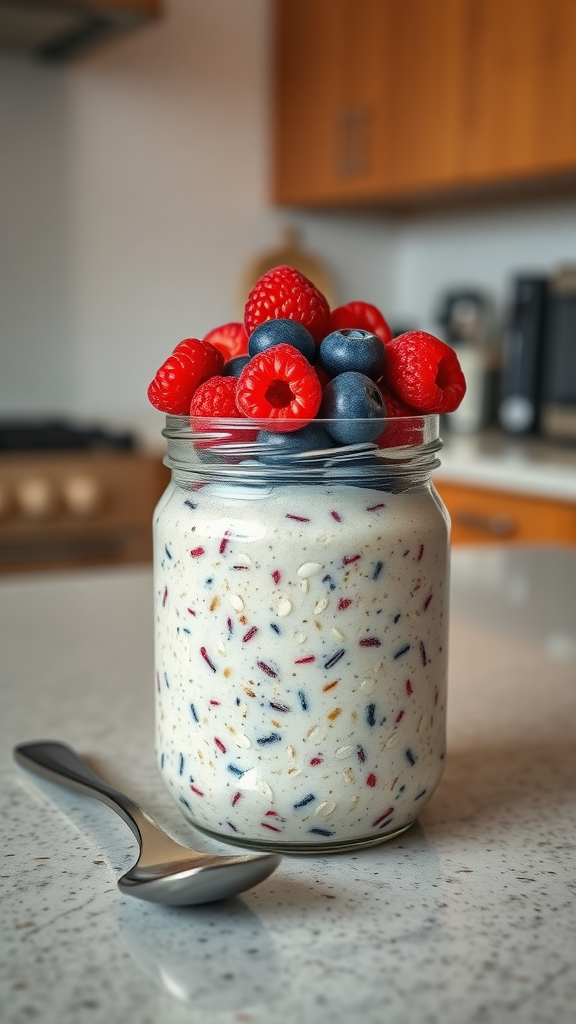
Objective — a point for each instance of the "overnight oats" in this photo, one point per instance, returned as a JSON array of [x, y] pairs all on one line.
[[301, 600]]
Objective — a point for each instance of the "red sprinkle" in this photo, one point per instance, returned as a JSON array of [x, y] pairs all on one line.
[[196, 552], [383, 816], [374, 508], [164, 596], [276, 576], [409, 689], [224, 544], [266, 668], [196, 790], [248, 636], [215, 703], [271, 814], [344, 603], [399, 716], [316, 760], [336, 516], [191, 610], [369, 641], [299, 519], [427, 601], [210, 663], [271, 827], [219, 744], [236, 798], [306, 660], [420, 553], [371, 780], [348, 559], [423, 657]]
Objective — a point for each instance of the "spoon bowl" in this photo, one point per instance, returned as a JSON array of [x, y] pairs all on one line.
[[165, 871]]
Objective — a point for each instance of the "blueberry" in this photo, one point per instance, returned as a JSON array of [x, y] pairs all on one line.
[[353, 350], [356, 407], [282, 332], [278, 448], [234, 367]]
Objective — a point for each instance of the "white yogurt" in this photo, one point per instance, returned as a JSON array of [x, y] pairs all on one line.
[[301, 645]]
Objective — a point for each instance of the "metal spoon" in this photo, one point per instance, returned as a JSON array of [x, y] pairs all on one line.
[[165, 872]]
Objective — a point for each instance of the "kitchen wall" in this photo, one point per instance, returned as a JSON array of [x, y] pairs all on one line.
[[134, 190]]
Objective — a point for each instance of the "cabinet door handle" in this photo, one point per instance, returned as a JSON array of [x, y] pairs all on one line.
[[495, 526]]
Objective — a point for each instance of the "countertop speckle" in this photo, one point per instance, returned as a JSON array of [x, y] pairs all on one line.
[[466, 919]]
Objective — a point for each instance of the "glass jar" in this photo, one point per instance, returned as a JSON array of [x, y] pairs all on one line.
[[301, 607]]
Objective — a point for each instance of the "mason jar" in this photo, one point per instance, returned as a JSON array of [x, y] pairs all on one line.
[[301, 614]]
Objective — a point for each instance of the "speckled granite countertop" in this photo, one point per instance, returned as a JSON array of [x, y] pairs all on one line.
[[518, 464], [467, 919]]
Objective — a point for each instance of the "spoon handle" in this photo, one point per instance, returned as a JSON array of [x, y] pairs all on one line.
[[59, 763]]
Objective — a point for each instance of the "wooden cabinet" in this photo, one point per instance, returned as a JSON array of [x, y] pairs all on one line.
[[387, 101], [485, 516]]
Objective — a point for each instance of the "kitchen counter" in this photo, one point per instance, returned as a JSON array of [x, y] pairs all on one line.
[[501, 462], [466, 919]]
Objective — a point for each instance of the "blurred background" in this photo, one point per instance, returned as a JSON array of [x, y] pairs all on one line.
[[156, 156]]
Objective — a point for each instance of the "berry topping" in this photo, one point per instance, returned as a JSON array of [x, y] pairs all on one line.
[[276, 449], [360, 314], [285, 292], [424, 372], [354, 402], [191, 363], [280, 385], [403, 431], [230, 339], [234, 367], [353, 349], [216, 397], [282, 332]]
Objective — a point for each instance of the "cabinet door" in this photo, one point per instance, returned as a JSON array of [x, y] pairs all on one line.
[[482, 516], [423, 84], [328, 102], [520, 115]]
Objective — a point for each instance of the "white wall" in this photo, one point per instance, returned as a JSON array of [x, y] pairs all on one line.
[[134, 190]]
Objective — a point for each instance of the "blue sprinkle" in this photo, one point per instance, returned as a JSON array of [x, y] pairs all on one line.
[[275, 627], [396, 617], [387, 821], [238, 702], [321, 831], [184, 801], [181, 767], [334, 658], [305, 800], [209, 581], [166, 680], [190, 504], [421, 793], [280, 707], [401, 651], [232, 826], [162, 761], [401, 789], [166, 549], [410, 756], [303, 701], [235, 770], [185, 630], [370, 710], [377, 570], [193, 710], [274, 737], [328, 579]]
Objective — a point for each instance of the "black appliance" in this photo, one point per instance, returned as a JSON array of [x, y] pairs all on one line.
[[558, 399], [522, 366]]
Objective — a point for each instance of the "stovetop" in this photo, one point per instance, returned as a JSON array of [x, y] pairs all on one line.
[[54, 434]]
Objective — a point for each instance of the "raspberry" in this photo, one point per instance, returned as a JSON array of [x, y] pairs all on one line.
[[191, 363], [230, 339], [424, 372], [280, 385], [216, 397], [403, 432], [360, 315], [285, 293]]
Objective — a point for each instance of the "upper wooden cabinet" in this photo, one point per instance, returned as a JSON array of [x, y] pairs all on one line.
[[381, 100]]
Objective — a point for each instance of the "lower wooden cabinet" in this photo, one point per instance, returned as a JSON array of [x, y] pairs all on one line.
[[486, 516]]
